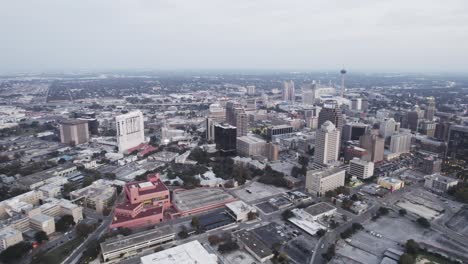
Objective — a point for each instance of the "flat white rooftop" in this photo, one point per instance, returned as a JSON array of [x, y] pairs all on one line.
[[189, 253]]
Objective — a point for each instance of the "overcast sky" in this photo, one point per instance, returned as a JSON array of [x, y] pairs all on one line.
[[363, 35]]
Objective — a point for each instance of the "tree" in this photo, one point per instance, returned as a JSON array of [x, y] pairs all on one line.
[[195, 223], [252, 216], [357, 226], [14, 253], [287, 214], [321, 233], [347, 203], [406, 259], [183, 234], [214, 240], [402, 212], [330, 252], [412, 247], [228, 246], [125, 231], [83, 229], [423, 222], [64, 223], [41, 236], [383, 211]]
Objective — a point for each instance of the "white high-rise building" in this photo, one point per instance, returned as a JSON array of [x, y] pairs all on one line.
[[130, 130], [327, 144], [251, 89], [387, 127], [401, 143], [361, 168], [289, 93]]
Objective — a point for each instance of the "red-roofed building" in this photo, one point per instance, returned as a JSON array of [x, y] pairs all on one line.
[[143, 149], [144, 205]]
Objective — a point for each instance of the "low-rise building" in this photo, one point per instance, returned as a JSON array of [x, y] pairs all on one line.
[[239, 210], [251, 146], [391, 184], [254, 246], [320, 210], [439, 183], [99, 196], [321, 181], [9, 237], [42, 222], [361, 168], [113, 250], [191, 252]]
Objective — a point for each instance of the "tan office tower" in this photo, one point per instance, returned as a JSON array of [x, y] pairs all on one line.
[[272, 151], [327, 144], [331, 112], [374, 145], [430, 109], [231, 112], [74, 131], [242, 123], [289, 93]]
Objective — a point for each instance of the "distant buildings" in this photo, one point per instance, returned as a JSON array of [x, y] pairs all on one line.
[[327, 144], [361, 168], [74, 131], [289, 92], [331, 111], [319, 182], [439, 183], [250, 89], [130, 130], [225, 138]]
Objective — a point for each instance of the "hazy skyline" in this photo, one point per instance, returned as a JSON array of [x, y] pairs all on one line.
[[364, 35]]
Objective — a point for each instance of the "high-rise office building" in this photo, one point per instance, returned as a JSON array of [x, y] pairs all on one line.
[[242, 123], [331, 112], [353, 131], [289, 93], [272, 151], [327, 144], [374, 145], [231, 112], [251, 89], [130, 130], [428, 128], [356, 104], [387, 127], [210, 128], [251, 146], [413, 119], [442, 130], [74, 131], [458, 142], [430, 109], [225, 138], [400, 143], [431, 165]]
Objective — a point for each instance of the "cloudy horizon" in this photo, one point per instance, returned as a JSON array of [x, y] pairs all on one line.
[[364, 35]]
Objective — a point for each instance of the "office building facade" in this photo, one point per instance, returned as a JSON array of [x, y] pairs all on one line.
[[327, 144], [74, 131], [130, 130]]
